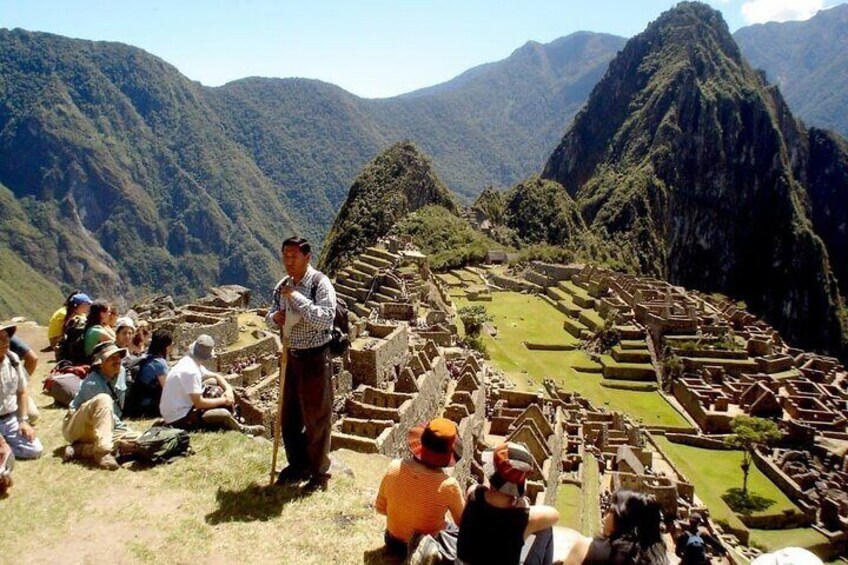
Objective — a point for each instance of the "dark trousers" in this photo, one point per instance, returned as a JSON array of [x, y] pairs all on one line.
[[307, 410]]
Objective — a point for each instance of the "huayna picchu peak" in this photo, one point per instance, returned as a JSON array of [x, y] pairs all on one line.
[[684, 155], [398, 181]]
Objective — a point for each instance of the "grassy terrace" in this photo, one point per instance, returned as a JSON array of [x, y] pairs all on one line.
[[522, 317], [722, 473], [569, 502]]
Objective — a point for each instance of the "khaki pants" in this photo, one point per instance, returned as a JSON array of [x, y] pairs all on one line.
[[90, 427]]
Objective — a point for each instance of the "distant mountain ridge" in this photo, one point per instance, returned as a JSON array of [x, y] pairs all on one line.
[[809, 62], [138, 179], [688, 159]]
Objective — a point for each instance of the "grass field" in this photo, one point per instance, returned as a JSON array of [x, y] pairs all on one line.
[[214, 506], [523, 317], [568, 503], [722, 473]]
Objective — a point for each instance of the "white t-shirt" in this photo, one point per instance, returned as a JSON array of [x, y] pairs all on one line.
[[185, 378]]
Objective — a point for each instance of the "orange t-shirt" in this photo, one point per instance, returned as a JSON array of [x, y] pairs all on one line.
[[415, 498]]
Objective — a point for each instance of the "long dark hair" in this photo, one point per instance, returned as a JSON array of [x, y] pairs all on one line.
[[159, 343], [636, 528], [97, 309]]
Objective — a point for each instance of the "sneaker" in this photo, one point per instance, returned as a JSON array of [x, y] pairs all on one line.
[[107, 462], [426, 551], [256, 430], [69, 454], [290, 475]]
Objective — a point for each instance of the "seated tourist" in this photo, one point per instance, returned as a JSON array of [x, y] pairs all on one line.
[[97, 325], [499, 521], [631, 534], [146, 389], [93, 423], [56, 326], [692, 544], [185, 405], [124, 333], [7, 463], [141, 339], [30, 360], [14, 402], [416, 492], [71, 348]]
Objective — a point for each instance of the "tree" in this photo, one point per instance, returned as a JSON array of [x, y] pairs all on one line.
[[473, 318], [748, 433]]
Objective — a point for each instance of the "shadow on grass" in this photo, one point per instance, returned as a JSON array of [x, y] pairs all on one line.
[[746, 504], [380, 556], [253, 503]]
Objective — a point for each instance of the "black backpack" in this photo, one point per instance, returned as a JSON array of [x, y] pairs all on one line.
[[72, 346], [340, 334], [142, 399], [694, 551], [161, 444]]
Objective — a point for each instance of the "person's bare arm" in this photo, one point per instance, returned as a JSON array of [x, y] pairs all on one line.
[[30, 362], [23, 414], [578, 552], [541, 517], [201, 403]]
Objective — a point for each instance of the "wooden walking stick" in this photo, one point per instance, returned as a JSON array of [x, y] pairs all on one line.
[[278, 420]]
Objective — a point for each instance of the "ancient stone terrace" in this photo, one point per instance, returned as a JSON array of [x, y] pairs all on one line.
[[526, 418]]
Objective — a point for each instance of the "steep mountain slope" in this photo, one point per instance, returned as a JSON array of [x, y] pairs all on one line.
[[123, 167], [399, 181], [683, 157], [808, 61], [136, 178]]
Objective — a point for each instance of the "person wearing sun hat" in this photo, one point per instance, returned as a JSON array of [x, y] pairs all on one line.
[[14, 401], [93, 421], [416, 492], [499, 521]]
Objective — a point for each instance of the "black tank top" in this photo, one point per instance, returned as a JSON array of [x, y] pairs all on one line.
[[489, 534]]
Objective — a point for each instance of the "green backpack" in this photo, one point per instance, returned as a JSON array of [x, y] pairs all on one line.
[[160, 444]]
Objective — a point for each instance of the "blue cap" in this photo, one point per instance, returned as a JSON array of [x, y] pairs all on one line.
[[80, 298]]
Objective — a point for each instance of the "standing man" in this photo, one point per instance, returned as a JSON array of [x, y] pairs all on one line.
[[14, 402], [304, 306]]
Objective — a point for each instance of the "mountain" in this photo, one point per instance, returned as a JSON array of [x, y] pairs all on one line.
[[689, 161], [809, 62], [132, 178], [126, 175], [398, 181], [492, 125]]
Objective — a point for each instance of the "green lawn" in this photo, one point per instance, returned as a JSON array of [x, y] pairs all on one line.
[[722, 473], [568, 503], [523, 317]]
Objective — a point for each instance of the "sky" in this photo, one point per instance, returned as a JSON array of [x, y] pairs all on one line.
[[372, 48]]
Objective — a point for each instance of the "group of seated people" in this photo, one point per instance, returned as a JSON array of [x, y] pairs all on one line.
[[103, 374], [495, 522]]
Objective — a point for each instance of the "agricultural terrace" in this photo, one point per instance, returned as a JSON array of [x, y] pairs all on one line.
[[723, 473], [520, 318]]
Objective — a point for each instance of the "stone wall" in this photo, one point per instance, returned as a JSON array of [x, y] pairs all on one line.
[[372, 361], [267, 345], [557, 271]]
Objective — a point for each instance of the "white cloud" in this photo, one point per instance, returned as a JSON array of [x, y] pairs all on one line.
[[761, 11]]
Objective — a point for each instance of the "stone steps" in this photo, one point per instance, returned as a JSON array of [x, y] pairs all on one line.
[[633, 344], [614, 370], [382, 254], [574, 327], [376, 261], [622, 355], [341, 440], [366, 268], [631, 332]]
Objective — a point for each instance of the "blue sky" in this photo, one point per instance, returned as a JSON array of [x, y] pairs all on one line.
[[373, 48]]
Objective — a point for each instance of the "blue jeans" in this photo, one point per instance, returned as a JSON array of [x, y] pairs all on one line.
[[21, 446]]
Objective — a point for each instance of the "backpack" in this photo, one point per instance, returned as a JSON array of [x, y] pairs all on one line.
[[340, 334], [694, 550], [161, 444], [72, 346], [142, 399]]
